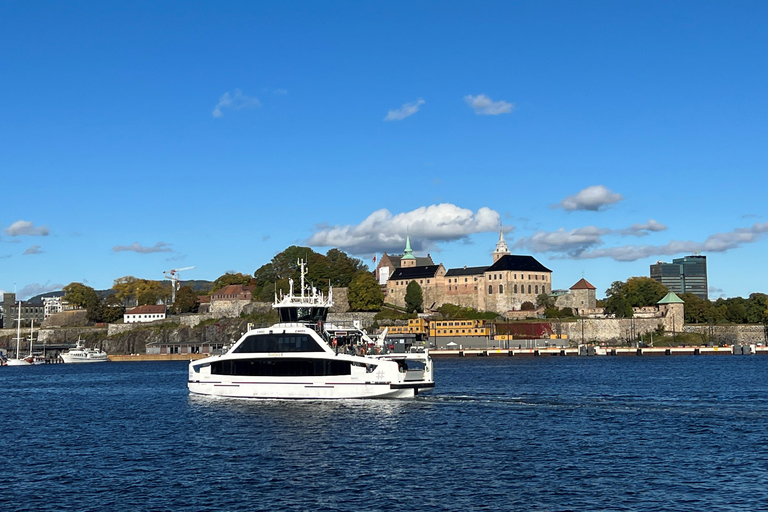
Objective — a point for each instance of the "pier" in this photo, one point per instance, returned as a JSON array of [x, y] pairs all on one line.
[[602, 351]]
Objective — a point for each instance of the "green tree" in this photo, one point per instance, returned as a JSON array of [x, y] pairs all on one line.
[[230, 278], [365, 293], [143, 291], [643, 291], [545, 301], [335, 268], [616, 302], [81, 295], [186, 300], [414, 298], [111, 313], [696, 308]]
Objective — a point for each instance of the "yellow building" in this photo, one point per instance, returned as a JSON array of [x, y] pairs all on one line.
[[417, 326], [439, 328]]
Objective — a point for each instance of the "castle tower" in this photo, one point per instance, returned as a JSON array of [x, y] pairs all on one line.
[[501, 247], [408, 259]]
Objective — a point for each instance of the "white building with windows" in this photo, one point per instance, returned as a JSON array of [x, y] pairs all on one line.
[[144, 314]]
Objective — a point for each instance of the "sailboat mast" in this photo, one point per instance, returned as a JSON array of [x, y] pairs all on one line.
[[18, 332], [31, 332]]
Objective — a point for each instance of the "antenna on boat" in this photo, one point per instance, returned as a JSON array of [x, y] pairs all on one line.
[[303, 271]]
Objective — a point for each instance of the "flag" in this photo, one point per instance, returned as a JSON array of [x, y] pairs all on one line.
[[374, 258]]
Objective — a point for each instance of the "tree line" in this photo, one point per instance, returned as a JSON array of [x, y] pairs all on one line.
[[621, 297]]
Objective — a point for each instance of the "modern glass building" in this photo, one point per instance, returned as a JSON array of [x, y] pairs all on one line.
[[683, 275]]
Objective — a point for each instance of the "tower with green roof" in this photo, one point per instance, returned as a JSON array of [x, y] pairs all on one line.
[[408, 259]]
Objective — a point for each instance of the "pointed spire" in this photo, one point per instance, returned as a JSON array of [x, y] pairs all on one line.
[[408, 253], [501, 247]]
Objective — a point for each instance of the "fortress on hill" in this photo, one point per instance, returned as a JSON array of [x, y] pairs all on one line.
[[501, 287]]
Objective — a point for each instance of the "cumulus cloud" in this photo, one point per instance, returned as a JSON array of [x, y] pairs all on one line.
[[234, 101], [485, 106], [33, 249], [427, 225], [578, 244], [643, 229], [34, 289], [26, 228], [593, 198], [137, 247], [406, 110]]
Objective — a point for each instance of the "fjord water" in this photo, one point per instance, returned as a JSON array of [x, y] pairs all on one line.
[[498, 433]]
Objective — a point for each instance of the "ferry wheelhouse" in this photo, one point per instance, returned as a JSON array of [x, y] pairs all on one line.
[[298, 358]]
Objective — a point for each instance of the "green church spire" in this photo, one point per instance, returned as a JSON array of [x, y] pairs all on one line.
[[408, 254]]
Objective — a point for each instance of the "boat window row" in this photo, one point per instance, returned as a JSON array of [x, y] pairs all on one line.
[[262, 343], [302, 314], [281, 367]]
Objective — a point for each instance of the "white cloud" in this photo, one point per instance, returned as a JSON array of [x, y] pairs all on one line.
[[483, 105], [593, 198], [427, 225], [406, 110], [235, 101], [136, 247], [582, 243], [34, 289], [572, 243], [643, 229], [26, 228], [33, 249]]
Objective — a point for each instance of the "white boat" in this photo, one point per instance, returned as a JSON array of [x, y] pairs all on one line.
[[81, 354], [18, 361], [297, 358]]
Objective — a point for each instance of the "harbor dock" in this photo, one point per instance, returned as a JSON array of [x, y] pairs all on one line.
[[603, 351]]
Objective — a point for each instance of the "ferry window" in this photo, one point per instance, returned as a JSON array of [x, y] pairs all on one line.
[[281, 367], [278, 343]]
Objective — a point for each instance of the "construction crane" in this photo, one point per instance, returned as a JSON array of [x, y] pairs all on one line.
[[175, 278]]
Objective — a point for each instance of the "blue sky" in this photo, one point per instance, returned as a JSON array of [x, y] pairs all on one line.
[[138, 137]]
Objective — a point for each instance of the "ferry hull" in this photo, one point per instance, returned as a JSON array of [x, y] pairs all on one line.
[[307, 389]]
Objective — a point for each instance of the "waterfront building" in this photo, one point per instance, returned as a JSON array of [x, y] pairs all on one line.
[[580, 297], [29, 311], [147, 313], [683, 275]]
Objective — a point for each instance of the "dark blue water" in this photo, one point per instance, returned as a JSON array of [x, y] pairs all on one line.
[[548, 433]]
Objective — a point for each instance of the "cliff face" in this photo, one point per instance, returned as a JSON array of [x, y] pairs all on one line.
[[223, 330]]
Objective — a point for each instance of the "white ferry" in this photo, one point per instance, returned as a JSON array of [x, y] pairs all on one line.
[[81, 354], [297, 358]]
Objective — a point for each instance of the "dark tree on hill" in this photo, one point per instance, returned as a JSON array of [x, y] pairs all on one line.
[[335, 268], [414, 298], [81, 295], [365, 293], [186, 301], [616, 302], [230, 278], [643, 291], [527, 306], [545, 300]]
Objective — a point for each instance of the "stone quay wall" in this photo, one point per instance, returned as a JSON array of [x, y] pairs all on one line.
[[730, 334], [607, 329]]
